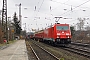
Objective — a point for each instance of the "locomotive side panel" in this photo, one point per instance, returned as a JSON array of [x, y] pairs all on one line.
[[49, 33]]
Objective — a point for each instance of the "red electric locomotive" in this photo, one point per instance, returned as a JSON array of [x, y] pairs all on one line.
[[57, 34]]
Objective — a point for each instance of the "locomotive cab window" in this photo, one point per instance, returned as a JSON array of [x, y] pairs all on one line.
[[62, 27]]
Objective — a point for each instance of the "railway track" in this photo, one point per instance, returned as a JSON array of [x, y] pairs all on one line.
[[79, 50], [31, 55], [58, 51], [42, 54], [81, 44]]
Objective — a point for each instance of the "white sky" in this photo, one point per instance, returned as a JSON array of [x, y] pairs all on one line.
[[46, 15]]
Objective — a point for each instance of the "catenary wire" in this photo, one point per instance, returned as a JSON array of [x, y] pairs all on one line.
[[75, 7]]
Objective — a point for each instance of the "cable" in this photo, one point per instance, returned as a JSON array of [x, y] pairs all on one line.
[[76, 7], [35, 9], [62, 3], [40, 6], [66, 4]]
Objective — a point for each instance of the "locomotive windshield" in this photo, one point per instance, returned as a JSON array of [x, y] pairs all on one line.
[[62, 27]]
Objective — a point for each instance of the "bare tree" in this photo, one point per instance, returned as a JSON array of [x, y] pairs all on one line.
[[81, 23], [87, 28]]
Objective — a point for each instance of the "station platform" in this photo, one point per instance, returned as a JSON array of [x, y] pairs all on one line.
[[15, 51]]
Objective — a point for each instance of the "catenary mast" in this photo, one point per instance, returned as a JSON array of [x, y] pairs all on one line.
[[4, 19]]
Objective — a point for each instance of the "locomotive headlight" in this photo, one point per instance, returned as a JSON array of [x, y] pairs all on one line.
[[68, 36], [57, 36], [62, 32]]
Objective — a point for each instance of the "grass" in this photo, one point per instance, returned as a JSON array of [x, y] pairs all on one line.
[[9, 42], [12, 41], [2, 44]]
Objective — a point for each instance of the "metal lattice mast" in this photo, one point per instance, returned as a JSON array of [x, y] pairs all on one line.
[[4, 18], [4, 12]]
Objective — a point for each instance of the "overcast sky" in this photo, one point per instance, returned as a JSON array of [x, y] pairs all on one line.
[[46, 10]]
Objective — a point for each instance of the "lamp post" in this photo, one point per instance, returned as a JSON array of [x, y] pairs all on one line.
[[19, 5], [20, 13]]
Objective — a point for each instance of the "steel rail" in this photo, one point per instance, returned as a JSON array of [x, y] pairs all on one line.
[[47, 52], [34, 52], [81, 44], [78, 51]]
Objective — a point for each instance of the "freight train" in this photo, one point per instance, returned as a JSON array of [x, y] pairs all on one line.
[[56, 34]]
